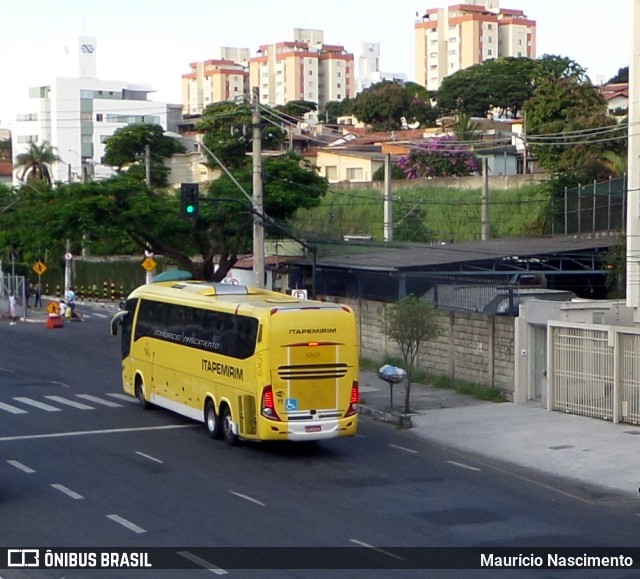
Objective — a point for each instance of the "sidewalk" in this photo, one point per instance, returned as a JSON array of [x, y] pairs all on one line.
[[596, 452]]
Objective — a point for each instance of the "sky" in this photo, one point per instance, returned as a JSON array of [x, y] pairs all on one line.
[[154, 41]]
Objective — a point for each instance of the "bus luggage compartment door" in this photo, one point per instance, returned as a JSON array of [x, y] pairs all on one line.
[[247, 407]]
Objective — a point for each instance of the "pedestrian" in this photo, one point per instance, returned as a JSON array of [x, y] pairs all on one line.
[[13, 309], [37, 295], [27, 293], [71, 299]]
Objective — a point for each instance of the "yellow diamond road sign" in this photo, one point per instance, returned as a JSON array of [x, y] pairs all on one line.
[[149, 264], [39, 267]]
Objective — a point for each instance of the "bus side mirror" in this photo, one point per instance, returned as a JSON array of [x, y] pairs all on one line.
[[116, 320]]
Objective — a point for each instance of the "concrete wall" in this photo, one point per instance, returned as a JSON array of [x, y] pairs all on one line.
[[473, 347], [499, 182]]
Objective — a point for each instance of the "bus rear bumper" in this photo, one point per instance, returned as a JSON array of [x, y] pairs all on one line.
[[321, 430]]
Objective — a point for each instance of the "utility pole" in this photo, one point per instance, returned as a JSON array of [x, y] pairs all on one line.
[[147, 165], [633, 182], [257, 199], [388, 200], [485, 199]]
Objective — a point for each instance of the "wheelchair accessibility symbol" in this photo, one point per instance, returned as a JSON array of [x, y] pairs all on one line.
[[291, 404]]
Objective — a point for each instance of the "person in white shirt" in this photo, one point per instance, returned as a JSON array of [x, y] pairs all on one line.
[[13, 309]]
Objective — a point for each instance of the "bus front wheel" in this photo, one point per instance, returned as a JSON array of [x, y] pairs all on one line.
[[212, 421], [227, 428], [140, 396]]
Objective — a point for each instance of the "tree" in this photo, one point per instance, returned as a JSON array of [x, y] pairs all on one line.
[[439, 157], [122, 214], [297, 108], [568, 128], [126, 149], [384, 104], [410, 323], [335, 109], [34, 165], [229, 133], [504, 84], [621, 77]]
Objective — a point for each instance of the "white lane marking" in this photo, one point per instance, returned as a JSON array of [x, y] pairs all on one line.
[[72, 403], [198, 561], [97, 315], [20, 466], [6, 370], [60, 383], [12, 409], [403, 448], [37, 404], [248, 498], [99, 400], [128, 524], [124, 397], [67, 491], [85, 432], [461, 465], [154, 459], [387, 553]]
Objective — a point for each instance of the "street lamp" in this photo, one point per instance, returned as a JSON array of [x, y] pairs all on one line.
[[256, 204]]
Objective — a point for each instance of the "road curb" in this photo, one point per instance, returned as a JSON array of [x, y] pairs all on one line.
[[401, 420]]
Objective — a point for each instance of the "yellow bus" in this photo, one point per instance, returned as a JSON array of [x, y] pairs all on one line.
[[251, 364]]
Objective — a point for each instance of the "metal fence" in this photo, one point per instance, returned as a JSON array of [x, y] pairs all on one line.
[[594, 371], [15, 284], [594, 207]]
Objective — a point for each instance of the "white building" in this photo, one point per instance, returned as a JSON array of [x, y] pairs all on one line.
[[369, 68], [76, 115]]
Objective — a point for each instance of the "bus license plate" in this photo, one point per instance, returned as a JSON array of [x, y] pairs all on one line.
[[312, 428]]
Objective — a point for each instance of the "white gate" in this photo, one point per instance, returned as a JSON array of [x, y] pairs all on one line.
[[594, 370]]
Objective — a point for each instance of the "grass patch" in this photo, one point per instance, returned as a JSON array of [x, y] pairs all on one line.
[[477, 391], [438, 213]]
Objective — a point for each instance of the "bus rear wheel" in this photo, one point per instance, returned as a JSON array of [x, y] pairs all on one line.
[[212, 421], [227, 428]]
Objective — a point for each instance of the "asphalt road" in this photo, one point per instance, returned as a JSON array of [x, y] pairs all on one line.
[[83, 466]]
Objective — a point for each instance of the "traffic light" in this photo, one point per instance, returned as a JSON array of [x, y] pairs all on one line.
[[189, 200]]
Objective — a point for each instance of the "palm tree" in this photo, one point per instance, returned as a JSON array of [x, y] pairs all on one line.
[[35, 163], [615, 162]]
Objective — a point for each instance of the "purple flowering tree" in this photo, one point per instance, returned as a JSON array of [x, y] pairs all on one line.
[[439, 157]]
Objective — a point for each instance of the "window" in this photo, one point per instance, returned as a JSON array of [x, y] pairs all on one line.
[[227, 334], [354, 173], [331, 172]]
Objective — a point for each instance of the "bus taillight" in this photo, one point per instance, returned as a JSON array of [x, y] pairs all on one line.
[[355, 399], [268, 408]]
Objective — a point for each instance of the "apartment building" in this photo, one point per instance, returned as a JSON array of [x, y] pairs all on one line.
[[457, 37], [77, 115], [302, 69], [224, 78], [369, 72]]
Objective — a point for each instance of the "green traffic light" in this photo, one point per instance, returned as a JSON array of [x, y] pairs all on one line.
[[190, 208]]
